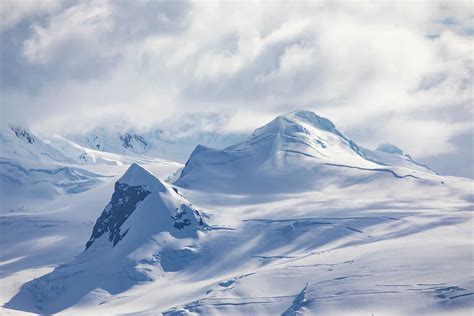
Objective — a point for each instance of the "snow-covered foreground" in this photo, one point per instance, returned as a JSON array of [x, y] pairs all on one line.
[[296, 219], [362, 249]]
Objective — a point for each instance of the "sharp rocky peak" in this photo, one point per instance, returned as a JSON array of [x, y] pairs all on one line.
[[136, 175], [160, 208]]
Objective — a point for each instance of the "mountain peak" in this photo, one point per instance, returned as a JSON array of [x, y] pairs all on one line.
[[293, 143], [294, 151], [136, 175], [298, 124], [311, 118], [305, 133], [142, 206]]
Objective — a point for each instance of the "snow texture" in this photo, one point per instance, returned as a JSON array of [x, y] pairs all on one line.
[[295, 152], [297, 220]]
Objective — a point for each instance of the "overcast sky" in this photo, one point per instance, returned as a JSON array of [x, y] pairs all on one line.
[[382, 71]]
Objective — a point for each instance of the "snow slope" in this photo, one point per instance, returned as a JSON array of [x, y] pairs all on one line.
[[391, 155], [145, 220], [21, 143], [294, 152], [350, 250], [35, 168], [24, 183], [289, 227]]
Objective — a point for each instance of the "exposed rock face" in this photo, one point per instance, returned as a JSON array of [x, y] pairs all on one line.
[[182, 217], [124, 201], [141, 207], [131, 141], [23, 134]]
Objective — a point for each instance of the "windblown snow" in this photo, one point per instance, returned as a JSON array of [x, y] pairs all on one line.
[[295, 219]]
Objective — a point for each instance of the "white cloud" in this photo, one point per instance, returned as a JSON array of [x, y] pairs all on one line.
[[363, 66], [78, 25], [13, 11]]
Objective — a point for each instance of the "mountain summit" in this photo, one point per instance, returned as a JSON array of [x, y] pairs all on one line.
[[292, 152], [141, 207], [302, 133], [146, 230]]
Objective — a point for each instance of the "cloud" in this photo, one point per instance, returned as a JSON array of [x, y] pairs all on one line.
[[89, 38], [13, 12], [382, 72]]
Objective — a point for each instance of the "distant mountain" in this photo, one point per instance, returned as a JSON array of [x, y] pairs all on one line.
[[20, 143], [37, 167], [294, 151], [173, 140], [119, 143]]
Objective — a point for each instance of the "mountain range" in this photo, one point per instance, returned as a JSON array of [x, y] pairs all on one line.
[[295, 218]]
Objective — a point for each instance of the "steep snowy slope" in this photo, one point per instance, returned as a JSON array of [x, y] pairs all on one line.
[[297, 151], [146, 222], [142, 206]]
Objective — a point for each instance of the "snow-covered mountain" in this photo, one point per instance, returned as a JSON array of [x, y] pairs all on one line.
[[296, 151], [298, 220], [154, 143], [119, 143], [141, 207], [20, 143], [174, 139], [35, 167], [146, 222]]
